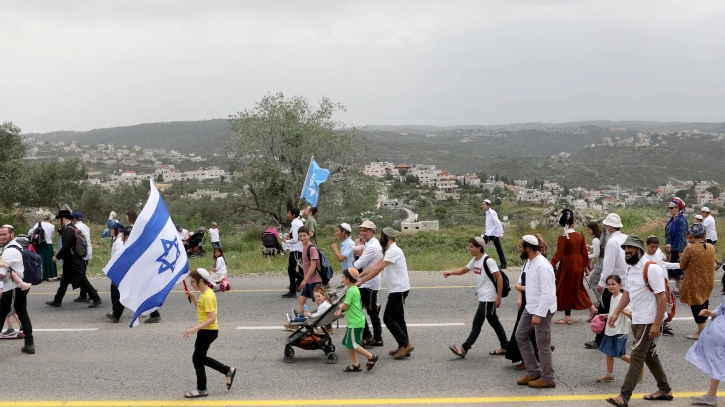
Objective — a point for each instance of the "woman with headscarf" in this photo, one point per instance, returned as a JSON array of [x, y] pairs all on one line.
[[699, 279], [676, 238], [572, 256]]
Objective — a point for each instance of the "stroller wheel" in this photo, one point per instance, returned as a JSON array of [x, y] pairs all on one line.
[[332, 348], [289, 355], [332, 358]]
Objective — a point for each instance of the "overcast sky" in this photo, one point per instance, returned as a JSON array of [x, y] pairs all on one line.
[[78, 65]]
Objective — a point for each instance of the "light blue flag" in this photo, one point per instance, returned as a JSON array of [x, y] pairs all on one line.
[[152, 260], [315, 177]]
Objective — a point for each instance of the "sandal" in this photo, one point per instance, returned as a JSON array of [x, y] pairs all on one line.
[[371, 363], [193, 395], [497, 352], [694, 337], [662, 396], [230, 377], [564, 322], [460, 352], [353, 368], [613, 401]]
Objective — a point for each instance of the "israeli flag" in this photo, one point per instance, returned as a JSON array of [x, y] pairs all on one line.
[[152, 260], [315, 177]]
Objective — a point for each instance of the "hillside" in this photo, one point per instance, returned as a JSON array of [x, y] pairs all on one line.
[[521, 150]]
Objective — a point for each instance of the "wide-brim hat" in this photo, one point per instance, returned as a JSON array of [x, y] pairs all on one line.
[[64, 213], [368, 225], [634, 241], [613, 220]]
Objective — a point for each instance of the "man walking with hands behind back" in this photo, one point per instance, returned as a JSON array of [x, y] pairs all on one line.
[[493, 231]]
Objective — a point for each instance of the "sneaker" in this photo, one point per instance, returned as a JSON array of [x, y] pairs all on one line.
[[540, 384], [152, 320], [667, 331], [704, 400], [82, 299], [9, 332], [605, 379], [591, 345]]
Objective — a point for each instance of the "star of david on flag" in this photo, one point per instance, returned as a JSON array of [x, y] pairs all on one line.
[[315, 177], [151, 262]]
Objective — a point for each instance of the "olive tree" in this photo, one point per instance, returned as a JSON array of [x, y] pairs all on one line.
[[12, 164], [273, 143]]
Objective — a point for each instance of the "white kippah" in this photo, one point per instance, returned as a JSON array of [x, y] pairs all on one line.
[[531, 239]]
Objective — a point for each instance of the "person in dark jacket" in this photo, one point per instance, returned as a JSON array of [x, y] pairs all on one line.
[[74, 267]]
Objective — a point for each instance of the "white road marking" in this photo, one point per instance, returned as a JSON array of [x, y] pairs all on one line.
[[280, 327]]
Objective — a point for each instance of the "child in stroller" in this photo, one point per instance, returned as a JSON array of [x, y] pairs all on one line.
[[323, 304], [270, 243], [193, 245], [305, 337]]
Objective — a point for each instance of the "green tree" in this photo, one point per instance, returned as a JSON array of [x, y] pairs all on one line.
[[54, 184], [12, 165], [273, 143]]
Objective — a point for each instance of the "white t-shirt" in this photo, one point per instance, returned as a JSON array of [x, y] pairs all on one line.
[[623, 323], [117, 245], [487, 292], [13, 258], [372, 252], [221, 266], [183, 235], [641, 299], [48, 230], [396, 273], [710, 231], [214, 234]]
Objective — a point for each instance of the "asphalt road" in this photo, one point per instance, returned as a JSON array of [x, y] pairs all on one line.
[[151, 364]]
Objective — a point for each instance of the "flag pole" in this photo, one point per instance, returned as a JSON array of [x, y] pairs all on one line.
[[299, 201]]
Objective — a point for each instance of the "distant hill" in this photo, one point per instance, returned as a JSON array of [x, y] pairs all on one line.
[[520, 150]]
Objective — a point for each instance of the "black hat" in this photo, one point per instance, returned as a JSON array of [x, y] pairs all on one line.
[[64, 213]]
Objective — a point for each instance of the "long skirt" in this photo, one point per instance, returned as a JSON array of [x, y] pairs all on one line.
[[49, 268]]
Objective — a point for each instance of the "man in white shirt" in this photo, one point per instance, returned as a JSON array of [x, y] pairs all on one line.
[[398, 283], [78, 222], [493, 231], [293, 244], [46, 252], [13, 296], [648, 302], [612, 263], [117, 307], [709, 222], [540, 308], [183, 233], [371, 254]]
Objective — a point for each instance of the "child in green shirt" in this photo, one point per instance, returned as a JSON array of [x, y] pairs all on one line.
[[355, 322]]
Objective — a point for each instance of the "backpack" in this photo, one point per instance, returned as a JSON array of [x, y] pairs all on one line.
[[33, 264], [324, 269], [38, 238], [506, 284], [81, 247], [671, 302]]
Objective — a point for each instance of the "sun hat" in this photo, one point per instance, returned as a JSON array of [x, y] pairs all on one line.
[[368, 225], [613, 220], [634, 241]]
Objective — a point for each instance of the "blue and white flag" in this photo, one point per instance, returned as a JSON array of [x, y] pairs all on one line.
[[151, 262], [315, 177]]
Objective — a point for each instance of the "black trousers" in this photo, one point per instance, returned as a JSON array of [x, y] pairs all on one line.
[[204, 338], [603, 309], [294, 271], [394, 317], [499, 249], [696, 312], [84, 283], [486, 310], [117, 307], [369, 300], [20, 303]]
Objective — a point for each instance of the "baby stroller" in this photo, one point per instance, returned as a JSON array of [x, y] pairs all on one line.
[[193, 245], [306, 338], [270, 243]]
